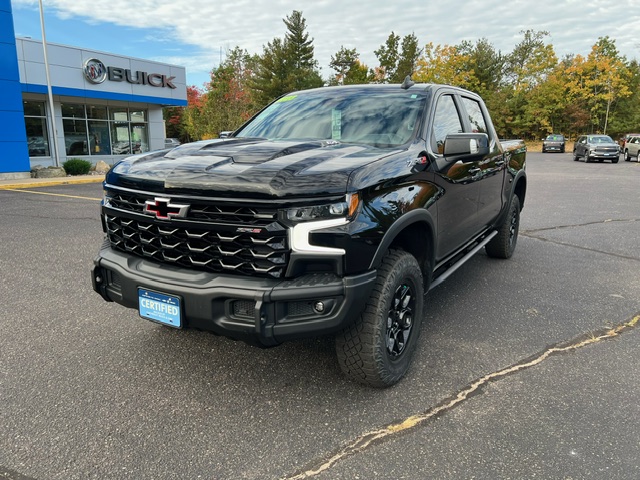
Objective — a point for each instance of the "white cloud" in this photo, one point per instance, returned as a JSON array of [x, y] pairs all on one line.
[[574, 25]]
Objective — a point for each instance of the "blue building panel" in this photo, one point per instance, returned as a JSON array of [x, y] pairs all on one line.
[[15, 156], [14, 153]]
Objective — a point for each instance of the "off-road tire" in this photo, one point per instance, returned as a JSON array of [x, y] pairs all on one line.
[[363, 349], [504, 243]]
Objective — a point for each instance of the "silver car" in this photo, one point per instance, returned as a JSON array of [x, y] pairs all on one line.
[[596, 147], [632, 149]]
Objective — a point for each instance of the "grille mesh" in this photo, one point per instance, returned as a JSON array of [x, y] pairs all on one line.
[[215, 238]]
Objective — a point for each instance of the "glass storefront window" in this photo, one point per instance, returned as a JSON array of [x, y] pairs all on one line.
[[138, 116], [119, 114], [75, 137], [37, 137], [35, 123], [99, 143], [97, 112], [72, 110], [139, 138], [33, 109], [120, 142]]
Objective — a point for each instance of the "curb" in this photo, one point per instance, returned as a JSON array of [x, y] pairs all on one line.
[[48, 182]]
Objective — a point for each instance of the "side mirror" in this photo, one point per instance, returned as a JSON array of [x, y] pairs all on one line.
[[467, 147]]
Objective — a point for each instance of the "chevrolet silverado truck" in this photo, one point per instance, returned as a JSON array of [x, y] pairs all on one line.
[[332, 211]]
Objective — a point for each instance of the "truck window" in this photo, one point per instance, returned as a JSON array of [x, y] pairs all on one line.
[[445, 121], [476, 119]]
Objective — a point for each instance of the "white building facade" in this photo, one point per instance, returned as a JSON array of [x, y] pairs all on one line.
[[105, 106]]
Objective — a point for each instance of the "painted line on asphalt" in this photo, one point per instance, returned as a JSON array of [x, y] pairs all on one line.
[[363, 442], [51, 194]]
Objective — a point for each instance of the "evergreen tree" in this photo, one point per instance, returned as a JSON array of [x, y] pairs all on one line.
[[288, 64]]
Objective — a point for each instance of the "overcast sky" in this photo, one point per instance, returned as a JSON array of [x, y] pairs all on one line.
[[196, 33]]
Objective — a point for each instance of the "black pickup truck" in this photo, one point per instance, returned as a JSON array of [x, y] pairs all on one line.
[[331, 211]]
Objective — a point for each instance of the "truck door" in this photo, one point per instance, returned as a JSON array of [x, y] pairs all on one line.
[[457, 208], [492, 167]]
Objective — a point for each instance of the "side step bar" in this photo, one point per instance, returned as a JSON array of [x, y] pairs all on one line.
[[460, 262]]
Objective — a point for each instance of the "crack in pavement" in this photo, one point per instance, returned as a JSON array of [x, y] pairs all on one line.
[[558, 227], [366, 440], [567, 244]]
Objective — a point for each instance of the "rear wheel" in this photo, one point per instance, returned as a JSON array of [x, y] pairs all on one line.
[[575, 156], [376, 349], [627, 157], [504, 243]]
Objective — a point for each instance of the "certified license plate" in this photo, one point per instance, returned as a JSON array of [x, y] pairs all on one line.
[[159, 307]]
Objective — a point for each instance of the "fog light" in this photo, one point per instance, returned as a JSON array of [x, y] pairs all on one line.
[[98, 279], [318, 307]]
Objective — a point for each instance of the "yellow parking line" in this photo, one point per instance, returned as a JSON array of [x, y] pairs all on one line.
[[52, 194]]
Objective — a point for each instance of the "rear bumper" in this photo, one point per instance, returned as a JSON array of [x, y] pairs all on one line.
[[257, 310]]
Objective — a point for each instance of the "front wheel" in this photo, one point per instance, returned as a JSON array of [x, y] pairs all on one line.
[[615, 160], [627, 157], [377, 348], [504, 243], [575, 156]]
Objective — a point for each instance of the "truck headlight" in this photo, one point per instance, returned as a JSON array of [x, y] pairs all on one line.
[[344, 209], [318, 217]]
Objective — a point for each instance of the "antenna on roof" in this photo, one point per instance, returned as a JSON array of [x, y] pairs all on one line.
[[408, 83]]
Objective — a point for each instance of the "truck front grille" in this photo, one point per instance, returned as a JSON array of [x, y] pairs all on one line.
[[265, 254], [199, 211]]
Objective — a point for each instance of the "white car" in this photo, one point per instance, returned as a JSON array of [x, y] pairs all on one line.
[[632, 149]]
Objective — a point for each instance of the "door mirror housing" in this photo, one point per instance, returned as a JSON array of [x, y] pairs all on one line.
[[467, 147]]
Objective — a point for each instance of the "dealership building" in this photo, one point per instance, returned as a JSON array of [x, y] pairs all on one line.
[[105, 106]]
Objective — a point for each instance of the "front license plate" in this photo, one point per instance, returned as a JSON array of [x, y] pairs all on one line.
[[160, 308]]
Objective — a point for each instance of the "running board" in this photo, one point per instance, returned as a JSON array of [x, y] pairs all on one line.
[[460, 262]]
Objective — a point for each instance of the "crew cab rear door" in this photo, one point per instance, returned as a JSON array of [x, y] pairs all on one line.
[[492, 166]]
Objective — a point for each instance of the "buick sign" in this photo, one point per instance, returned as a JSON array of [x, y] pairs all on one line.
[[95, 71]]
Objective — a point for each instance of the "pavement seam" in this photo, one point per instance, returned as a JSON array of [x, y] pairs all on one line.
[[579, 247], [51, 194], [387, 433]]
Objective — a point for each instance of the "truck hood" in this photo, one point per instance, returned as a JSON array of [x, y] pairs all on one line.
[[247, 166]]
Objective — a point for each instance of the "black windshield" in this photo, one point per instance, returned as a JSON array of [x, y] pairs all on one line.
[[382, 118]]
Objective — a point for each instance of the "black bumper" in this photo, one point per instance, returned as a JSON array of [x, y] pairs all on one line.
[[257, 310]]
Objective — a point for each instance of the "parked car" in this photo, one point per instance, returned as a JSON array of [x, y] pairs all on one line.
[[171, 142], [596, 147], [553, 143], [632, 149], [623, 141]]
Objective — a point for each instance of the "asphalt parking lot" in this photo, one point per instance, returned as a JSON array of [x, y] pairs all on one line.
[[527, 368]]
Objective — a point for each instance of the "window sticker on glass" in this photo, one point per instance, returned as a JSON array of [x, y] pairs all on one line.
[[288, 98], [336, 124]]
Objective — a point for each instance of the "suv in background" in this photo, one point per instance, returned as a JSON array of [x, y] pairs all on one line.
[[553, 143], [632, 148], [596, 147], [171, 142]]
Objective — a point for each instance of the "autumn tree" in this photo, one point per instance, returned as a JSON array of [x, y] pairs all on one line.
[[228, 102], [445, 64], [600, 79], [193, 117], [287, 64]]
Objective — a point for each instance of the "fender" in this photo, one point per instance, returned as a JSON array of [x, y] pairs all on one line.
[[419, 215]]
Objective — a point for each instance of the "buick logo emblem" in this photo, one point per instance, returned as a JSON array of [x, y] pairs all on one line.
[[163, 209], [95, 71]]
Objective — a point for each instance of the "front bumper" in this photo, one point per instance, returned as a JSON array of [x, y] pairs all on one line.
[[257, 310]]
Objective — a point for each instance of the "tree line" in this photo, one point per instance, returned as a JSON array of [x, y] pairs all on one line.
[[529, 91]]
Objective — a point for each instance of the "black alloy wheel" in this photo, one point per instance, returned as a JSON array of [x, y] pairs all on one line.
[[400, 320]]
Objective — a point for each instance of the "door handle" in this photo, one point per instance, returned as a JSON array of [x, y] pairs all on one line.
[[474, 171]]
